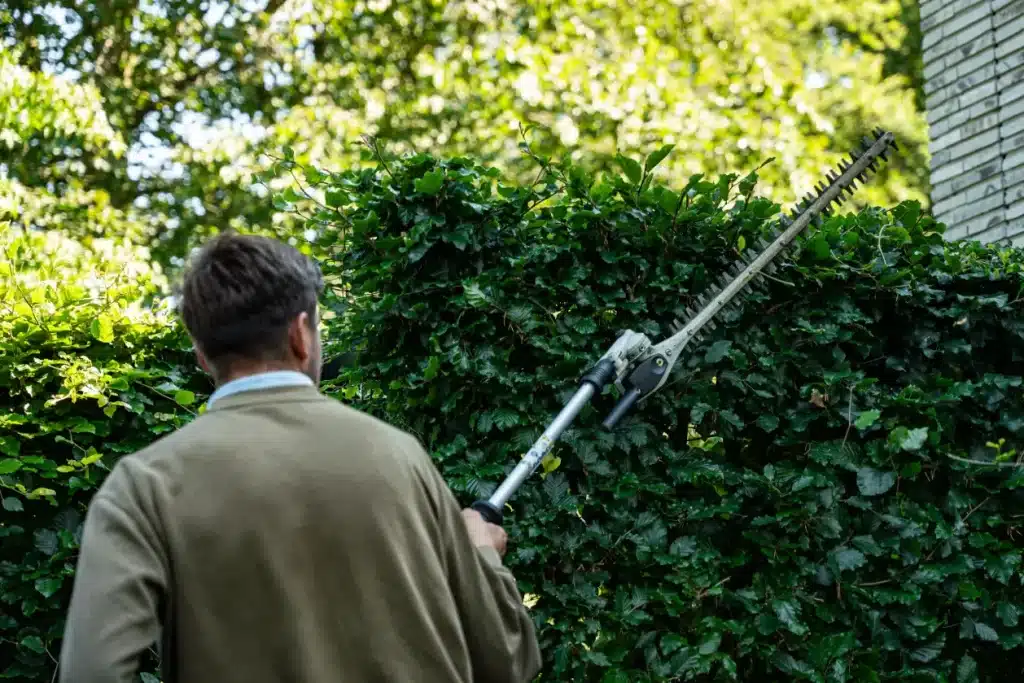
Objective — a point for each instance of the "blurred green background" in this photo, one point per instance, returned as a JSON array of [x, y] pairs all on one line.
[[147, 118]]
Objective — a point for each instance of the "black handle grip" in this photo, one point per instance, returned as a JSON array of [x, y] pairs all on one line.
[[490, 513], [622, 407]]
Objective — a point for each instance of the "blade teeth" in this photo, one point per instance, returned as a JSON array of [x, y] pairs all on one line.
[[762, 243]]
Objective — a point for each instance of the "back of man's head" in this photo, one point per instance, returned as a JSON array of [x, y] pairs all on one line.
[[250, 303]]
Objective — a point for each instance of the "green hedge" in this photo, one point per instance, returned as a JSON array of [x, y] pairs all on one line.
[[796, 505], [87, 374]]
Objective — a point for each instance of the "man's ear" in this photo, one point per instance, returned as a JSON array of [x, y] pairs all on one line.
[[300, 340], [203, 363]]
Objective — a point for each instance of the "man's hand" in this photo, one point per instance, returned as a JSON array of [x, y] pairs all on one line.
[[483, 533]]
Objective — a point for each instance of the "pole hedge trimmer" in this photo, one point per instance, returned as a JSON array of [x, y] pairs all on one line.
[[640, 368]]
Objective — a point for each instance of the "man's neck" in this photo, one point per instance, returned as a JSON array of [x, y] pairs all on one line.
[[237, 373], [259, 381]]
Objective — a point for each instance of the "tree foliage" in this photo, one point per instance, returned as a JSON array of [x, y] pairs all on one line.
[[197, 92]]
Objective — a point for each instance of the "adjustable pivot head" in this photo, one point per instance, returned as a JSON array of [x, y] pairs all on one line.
[[618, 359], [648, 375]]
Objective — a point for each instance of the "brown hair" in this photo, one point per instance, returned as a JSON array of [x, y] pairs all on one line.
[[240, 293]]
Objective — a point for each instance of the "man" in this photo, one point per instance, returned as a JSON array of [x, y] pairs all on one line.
[[282, 537]]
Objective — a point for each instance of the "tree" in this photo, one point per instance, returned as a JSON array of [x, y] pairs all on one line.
[[199, 92]]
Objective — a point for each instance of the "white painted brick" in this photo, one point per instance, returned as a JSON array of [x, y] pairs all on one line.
[[1014, 176], [1013, 160], [1013, 108], [975, 224], [965, 131], [988, 172], [957, 24], [1011, 126], [963, 84], [1010, 31], [980, 158], [997, 5], [1014, 194], [1007, 145], [929, 7], [963, 52], [989, 138], [1015, 211], [951, 54], [946, 12], [991, 188], [965, 165], [1010, 78], [986, 221], [1007, 11], [950, 75], [1009, 55], [946, 171], [964, 101], [965, 212], [942, 126], [991, 235], [955, 233], [1016, 238], [1014, 92], [940, 48]]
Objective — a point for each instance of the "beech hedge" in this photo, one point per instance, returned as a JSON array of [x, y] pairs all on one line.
[[828, 489]]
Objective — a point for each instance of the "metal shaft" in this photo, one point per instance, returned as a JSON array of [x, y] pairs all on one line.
[[541, 446]]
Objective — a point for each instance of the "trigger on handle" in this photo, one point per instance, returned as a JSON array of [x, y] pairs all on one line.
[[622, 407], [489, 512]]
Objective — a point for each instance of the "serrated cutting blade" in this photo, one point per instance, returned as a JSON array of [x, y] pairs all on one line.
[[836, 186]]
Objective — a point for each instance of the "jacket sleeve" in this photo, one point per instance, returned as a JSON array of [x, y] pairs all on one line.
[[498, 628], [119, 586]]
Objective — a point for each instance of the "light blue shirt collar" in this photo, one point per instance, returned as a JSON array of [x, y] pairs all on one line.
[[263, 380]]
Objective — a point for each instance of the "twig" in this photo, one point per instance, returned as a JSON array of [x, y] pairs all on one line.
[[371, 142], [169, 398], [982, 462], [974, 509], [874, 583], [849, 420], [781, 282], [881, 252]]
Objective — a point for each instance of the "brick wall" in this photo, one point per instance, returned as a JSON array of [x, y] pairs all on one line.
[[974, 85]]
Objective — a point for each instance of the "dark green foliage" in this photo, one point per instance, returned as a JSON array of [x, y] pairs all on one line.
[[795, 505], [791, 506], [86, 376]]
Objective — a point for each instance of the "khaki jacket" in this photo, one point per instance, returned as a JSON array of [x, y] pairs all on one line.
[[282, 537]]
